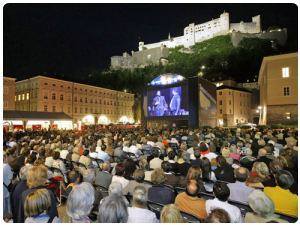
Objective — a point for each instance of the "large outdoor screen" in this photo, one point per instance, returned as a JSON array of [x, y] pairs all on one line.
[[171, 101]]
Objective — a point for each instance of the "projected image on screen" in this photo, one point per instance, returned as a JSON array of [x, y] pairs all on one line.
[[167, 102]]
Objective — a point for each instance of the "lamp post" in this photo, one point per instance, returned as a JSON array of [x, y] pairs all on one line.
[[260, 114]]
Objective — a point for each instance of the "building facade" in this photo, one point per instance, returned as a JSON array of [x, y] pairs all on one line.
[[85, 103], [278, 82], [233, 106], [9, 89]]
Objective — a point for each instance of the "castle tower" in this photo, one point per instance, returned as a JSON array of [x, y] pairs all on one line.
[[225, 22], [257, 21], [189, 34], [141, 45]]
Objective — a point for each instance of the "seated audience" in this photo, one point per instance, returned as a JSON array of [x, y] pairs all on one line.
[[138, 176], [36, 207], [284, 200], [224, 171], [120, 171], [80, 203], [218, 215], [189, 201], [170, 214], [158, 192], [113, 209], [138, 212], [263, 209], [222, 193], [104, 177]]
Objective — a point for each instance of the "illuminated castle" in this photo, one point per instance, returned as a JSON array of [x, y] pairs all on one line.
[[154, 53]]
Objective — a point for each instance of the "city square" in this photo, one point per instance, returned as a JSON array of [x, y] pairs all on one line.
[[123, 113]]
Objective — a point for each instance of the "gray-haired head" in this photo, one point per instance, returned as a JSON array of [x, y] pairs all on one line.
[[261, 204], [113, 209], [89, 175], [115, 188], [80, 201], [140, 197], [186, 156]]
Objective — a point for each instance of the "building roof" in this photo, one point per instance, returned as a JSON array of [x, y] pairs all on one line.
[[233, 88], [272, 58], [19, 115]]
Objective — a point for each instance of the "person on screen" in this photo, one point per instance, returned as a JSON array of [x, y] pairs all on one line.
[[175, 102], [159, 104]]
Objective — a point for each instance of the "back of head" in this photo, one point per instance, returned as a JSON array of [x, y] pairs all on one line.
[[192, 188], [120, 169], [166, 166], [140, 196], [171, 155], [80, 200], [221, 161], [37, 176], [37, 202], [115, 188], [221, 191], [139, 175], [218, 215], [194, 173], [197, 154], [262, 152], [113, 209], [284, 179], [170, 214], [106, 166], [158, 176], [241, 174], [260, 203]]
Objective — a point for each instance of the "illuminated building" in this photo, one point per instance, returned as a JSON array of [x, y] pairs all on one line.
[[233, 105], [9, 88], [278, 82], [85, 103]]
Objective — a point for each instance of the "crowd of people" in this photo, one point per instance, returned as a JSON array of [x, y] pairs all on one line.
[[113, 175]]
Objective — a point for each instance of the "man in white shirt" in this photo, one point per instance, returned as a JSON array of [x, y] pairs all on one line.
[[99, 154], [139, 213], [222, 193]]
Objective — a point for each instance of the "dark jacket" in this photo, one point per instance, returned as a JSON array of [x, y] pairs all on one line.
[[161, 194], [225, 174], [16, 198]]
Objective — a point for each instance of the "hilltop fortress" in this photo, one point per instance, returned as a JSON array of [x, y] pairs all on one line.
[[155, 53]]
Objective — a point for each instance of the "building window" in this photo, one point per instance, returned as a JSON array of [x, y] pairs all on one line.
[[286, 91], [45, 83], [15, 98], [23, 96], [220, 93], [69, 110], [54, 108], [86, 110], [220, 111], [230, 111], [19, 97], [53, 85], [80, 99], [75, 99], [229, 102], [75, 109], [220, 102], [61, 97], [288, 115], [45, 108], [53, 96], [86, 100], [27, 96], [285, 72], [80, 110]]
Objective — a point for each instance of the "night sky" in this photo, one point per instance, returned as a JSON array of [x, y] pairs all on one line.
[[70, 40]]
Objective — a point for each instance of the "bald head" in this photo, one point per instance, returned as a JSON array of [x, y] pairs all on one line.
[[241, 174], [192, 188], [262, 152]]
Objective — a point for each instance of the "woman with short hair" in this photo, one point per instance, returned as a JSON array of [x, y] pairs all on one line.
[[36, 207], [80, 203]]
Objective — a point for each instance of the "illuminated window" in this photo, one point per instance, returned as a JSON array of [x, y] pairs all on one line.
[[19, 97], [286, 91], [27, 96], [23, 96], [285, 72], [15, 98], [288, 115]]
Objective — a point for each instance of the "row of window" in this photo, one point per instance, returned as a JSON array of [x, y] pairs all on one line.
[[242, 112], [91, 91], [22, 97], [86, 110]]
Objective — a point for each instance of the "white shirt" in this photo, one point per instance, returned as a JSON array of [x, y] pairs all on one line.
[[124, 182], [49, 161], [139, 215], [210, 156], [63, 154], [233, 211]]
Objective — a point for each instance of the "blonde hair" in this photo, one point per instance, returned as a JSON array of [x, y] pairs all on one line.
[[37, 202], [158, 176], [170, 214], [37, 176], [194, 173]]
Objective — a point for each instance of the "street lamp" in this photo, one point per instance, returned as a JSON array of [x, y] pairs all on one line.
[[203, 67]]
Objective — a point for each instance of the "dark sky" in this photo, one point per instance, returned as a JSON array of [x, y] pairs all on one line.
[[70, 40]]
